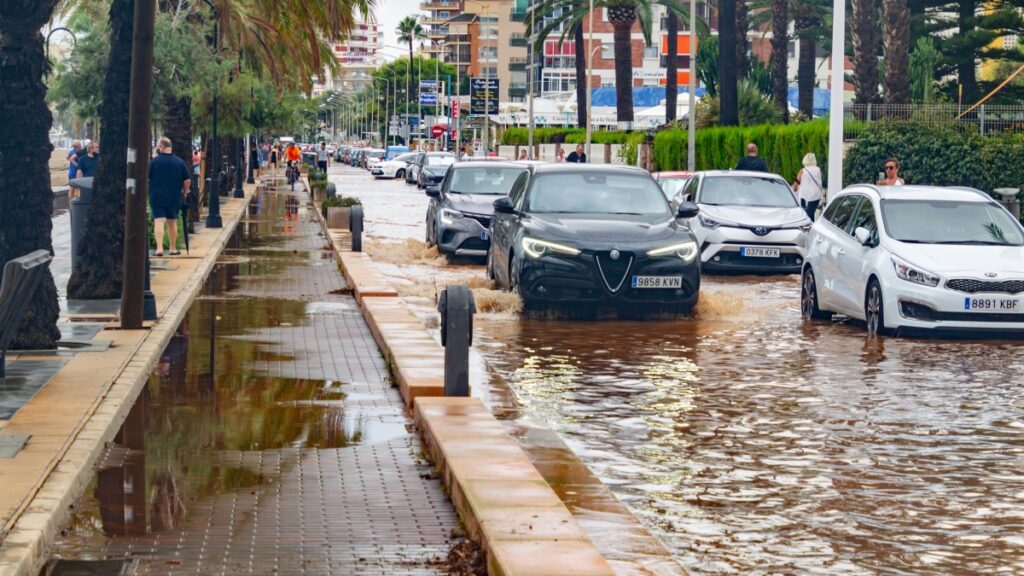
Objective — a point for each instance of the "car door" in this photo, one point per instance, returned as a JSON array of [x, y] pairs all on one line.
[[689, 193], [825, 250], [843, 250], [853, 258], [503, 228]]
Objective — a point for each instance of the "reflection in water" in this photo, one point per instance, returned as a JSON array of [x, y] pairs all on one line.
[[773, 446]]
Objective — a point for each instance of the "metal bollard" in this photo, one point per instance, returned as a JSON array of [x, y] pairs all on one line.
[[332, 190], [79, 208], [457, 307], [1009, 198], [355, 226]]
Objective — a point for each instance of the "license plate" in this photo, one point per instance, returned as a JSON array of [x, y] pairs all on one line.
[[657, 281], [758, 252], [485, 235], [992, 304]]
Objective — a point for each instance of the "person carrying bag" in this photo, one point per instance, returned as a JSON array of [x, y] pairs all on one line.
[[808, 185]]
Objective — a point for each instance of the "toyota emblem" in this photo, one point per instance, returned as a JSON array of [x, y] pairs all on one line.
[[614, 254], [990, 274], [761, 231]]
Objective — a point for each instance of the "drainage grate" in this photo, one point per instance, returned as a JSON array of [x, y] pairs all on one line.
[[61, 567]]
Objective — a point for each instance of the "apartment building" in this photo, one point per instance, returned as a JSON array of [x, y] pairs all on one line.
[[485, 40], [358, 57], [436, 24]]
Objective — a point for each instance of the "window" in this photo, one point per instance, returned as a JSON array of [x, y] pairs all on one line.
[[516, 195], [607, 51], [841, 211], [444, 15], [865, 218], [488, 52], [651, 51]]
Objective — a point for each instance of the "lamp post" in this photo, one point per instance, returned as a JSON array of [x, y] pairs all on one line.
[[590, 71], [213, 219], [835, 121], [529, 93], [691, 116]]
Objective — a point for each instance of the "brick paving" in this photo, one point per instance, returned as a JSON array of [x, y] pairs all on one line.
[[331, 481]]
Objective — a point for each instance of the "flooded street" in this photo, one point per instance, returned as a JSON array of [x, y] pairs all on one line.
[[749, 441], [269, 439]]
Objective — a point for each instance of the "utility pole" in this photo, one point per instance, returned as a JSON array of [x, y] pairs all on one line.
[[691, 114], [213, 219], [136, 251], [529, 94]]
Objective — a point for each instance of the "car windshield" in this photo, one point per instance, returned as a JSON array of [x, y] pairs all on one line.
[[755, 191], [375, 154], [672, 186], [950, 222], [440, 160], [597, 193], [483, 180], [405, 157]]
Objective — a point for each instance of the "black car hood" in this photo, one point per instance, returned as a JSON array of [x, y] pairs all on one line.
[[600, 231], [435, 170], [473, 203]]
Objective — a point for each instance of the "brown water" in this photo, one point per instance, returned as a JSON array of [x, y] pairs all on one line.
[[753, 443]]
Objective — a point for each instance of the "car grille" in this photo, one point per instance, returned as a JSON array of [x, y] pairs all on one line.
[[484, 220], [972, 286], [614, 271]]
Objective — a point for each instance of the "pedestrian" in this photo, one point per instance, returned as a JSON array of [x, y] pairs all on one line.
[[87, 162], [254, 158], [76, 148], [273, 156], [891, 175], [752, 162], [523, 155], [169, 182], [577, 155], [560, 154], [321, 158], [808, 185]]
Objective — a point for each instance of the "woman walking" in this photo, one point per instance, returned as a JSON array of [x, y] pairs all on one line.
[[808, 185]]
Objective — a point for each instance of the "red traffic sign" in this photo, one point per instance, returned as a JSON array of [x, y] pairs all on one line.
[[455, 108], [437, 131]]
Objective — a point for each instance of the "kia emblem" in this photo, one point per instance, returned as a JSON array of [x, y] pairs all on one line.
[[991, 274], [614, 254]]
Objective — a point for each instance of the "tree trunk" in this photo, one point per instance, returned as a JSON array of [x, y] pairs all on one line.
[[26, 200], [102, 257], [582, 82], [896, 31], [621, 17], [727, 77], [780, 56], [178, 127], [966, 68], [865, 51], [672, 64], [742, 45], [805, 67]]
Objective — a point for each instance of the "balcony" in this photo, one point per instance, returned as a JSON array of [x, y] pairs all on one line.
[[517, 16], [439, 5], [432, 20], [517, 39]]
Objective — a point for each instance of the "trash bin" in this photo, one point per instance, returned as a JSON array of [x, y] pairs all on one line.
[[79, 215], [1010, 197]]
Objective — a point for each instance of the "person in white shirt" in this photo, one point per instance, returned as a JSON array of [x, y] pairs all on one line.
[[808, 185], [322, 157]]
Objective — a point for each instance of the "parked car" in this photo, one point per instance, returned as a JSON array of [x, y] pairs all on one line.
[[460, 209], [355, 158], [918, 257], [394, 168], [672, 182], [392, 152], [593, 234], [432, 167], [411, 177], [372, 156], [748, 222]]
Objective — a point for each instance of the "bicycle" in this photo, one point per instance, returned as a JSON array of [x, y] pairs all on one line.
[[293, 174]]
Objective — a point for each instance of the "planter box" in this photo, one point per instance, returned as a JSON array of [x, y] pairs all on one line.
[[338, 217]]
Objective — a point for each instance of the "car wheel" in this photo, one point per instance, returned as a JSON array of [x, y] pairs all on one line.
[[430, 233], [490, 266], [400, 173], [874, 309], [809, 298]]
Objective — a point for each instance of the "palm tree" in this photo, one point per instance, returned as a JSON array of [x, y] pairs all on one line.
[[727, 73], [26, 201], [865, 51], [742, 43], [622, 14], [582, 82], [896, 48], [409, 31], [808, 17], [780, 55]]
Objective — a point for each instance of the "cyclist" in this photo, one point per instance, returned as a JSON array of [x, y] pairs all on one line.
[[292, 157]]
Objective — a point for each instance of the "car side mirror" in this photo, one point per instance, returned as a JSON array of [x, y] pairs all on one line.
[[504, 206], [863, 236], [687, 209], [434, 191]]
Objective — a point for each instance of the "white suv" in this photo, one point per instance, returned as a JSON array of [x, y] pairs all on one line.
[[918, 257]]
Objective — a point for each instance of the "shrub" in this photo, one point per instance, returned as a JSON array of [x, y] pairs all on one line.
[[520, 136], [336, 201]]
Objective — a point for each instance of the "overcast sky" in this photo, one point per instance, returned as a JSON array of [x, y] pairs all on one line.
[[390, 13]]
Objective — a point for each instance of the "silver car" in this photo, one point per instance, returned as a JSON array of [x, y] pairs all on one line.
[[748, 222]]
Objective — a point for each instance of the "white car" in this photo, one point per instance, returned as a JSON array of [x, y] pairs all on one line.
[[394, 168], [917, 257], [748, 221]]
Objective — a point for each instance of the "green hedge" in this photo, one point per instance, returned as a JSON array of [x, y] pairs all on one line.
[[520, 136], [783, 146], [937, 155]]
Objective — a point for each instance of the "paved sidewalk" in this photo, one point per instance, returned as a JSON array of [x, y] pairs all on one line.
[[288, 453]]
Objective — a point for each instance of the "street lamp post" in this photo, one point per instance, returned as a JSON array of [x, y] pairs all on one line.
[[590, 72], [835, 122], [213, 219], [529, 94], [691, 116]]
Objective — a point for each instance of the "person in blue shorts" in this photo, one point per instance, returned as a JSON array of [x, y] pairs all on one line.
[[169, 182]]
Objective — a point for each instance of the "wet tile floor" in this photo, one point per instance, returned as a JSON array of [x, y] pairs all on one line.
[[269, 439]]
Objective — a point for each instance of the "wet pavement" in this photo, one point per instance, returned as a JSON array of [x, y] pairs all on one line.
[[269, 439], [749, 441]]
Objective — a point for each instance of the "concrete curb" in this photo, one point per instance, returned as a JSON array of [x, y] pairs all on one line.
[[47, 507]]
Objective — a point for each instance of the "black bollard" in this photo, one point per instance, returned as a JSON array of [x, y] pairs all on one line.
[[79, 208], [148, 299], [332, 190], [355, 226], [457, 307]]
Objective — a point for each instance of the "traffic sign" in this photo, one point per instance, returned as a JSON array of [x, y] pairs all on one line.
[[455, 108], [428, 99], [437, 131]]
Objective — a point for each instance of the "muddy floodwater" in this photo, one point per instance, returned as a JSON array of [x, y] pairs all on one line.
[[751, 442]]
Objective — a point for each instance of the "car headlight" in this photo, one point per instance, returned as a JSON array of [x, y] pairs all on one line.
[[687, 251], [709, 223], [910, 273], [536, 248], [449, 216]]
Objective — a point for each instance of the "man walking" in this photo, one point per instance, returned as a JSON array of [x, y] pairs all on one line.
[[169, 182], [752, 161], [577, 155], [88, 161], [321, 158]]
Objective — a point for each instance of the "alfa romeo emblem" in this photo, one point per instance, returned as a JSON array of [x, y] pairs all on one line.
[[614, 254]]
